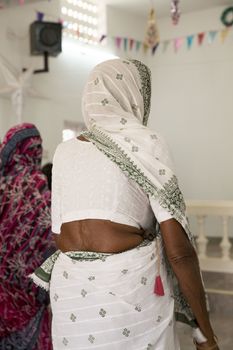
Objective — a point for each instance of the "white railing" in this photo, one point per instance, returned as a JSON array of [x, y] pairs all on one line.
[[201, 210]]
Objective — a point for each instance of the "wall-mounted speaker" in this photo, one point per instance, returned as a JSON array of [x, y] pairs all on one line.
[[45, 37]]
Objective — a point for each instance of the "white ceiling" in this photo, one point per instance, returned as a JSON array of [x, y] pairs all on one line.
[[141, 7]]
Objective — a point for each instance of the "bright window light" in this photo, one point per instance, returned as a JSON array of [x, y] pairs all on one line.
[[80, 19]]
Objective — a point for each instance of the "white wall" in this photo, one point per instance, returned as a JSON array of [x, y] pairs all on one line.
[[192, 106]]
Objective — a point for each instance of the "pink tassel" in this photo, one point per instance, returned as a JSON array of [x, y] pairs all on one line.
[[158, 287]]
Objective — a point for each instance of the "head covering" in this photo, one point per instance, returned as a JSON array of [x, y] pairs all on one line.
[[116, 107], [25, 235]]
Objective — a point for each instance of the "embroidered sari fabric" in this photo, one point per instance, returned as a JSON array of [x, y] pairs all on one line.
[[106, 301], [25, 241], [116, 107]]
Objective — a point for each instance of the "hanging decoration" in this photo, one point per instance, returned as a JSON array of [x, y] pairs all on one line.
[[152, 32], [178, 42], [17, 86], [137, 45], [200, 38], [227, 17], [224, 34], [175, 11], [211, 36], [189, 40]]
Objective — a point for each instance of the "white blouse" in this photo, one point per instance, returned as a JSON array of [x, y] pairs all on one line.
[[88, 185]]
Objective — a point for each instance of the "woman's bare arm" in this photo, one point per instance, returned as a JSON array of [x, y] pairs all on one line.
[[184, 261]]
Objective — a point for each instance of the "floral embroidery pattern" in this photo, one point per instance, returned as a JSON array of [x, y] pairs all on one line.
[[124, 271], [126, 332], [83, 293], [119, 76], [138, 308], [154, 137], [91, 338], [134, 149], [65, 274], [123, 121], [102, 312], [96, 81], [104, 102], [55, 297], [91, 278], [143, 280], [162, 171], [65, 341], [73, 317]]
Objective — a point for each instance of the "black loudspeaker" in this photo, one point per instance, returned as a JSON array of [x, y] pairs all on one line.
[[45, 37]]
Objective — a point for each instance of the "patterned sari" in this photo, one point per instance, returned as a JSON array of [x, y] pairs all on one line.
[[25, 239]]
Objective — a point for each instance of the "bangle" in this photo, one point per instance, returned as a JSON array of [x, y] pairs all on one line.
[[212, 347]]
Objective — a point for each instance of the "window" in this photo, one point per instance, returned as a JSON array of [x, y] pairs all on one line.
[[80, 20]]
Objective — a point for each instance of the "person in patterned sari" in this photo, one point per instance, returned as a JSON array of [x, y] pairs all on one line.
[[126, 268], [25, 238]]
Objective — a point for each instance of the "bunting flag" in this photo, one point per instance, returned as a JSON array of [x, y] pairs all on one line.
[[200, 38], [39, 16], [138, 45], [165, 45], [223, 34], [154, 48], [118, 42], [178, 43], [103, 36], [145, 48], [189, 39], [131, 44], [125, 43], [211, 36]]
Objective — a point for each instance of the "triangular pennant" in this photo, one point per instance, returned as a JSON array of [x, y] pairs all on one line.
[[138, 45], [145, 48], [154, 49], [178, 43], [103, 36], [189, 40], [118, 42], [131, 43], [211, 36], [39, 16], [125, 43], [223, 34], [200, 38], [165, 45]]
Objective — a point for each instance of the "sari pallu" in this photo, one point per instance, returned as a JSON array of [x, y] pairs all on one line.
[[106, 301]]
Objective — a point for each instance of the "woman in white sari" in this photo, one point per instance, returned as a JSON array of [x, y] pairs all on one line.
[[120, 226]]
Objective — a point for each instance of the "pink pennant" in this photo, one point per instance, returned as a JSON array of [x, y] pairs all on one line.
[[200, 38], [118, 42], [21, 2], [178, 43]]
